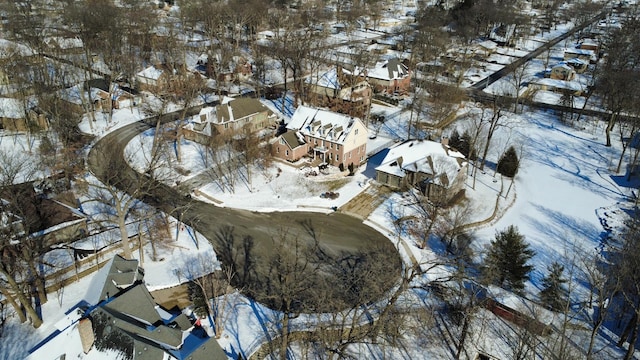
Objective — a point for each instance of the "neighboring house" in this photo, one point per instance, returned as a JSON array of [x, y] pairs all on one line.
[[96, 95], [231, 117], [64, 45], [484, 48], [118, 318], [155, 79], [237, 69], [330, 137], [391, 76], [21, 115], [433, 168], [578, 65], [586, 55], [234, 115], [562, 71], [589, 44], [50, 220], [559, 86], [335, 91]]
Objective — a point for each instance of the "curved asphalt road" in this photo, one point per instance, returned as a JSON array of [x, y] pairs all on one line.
[[339, 235]]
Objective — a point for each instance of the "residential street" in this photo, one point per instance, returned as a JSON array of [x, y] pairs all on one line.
[[339, 235]]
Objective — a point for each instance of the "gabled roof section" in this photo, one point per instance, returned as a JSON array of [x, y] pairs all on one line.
[[11, 108], [323, 124], [136, 303], [238, 109], [292, 139], [423, 156], [152, 72], [115, 276], [391, 69], [328, 79]]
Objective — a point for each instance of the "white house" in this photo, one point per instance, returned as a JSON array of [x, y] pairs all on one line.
[[435, 169]]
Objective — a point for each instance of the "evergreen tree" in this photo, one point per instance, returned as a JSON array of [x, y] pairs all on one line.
[[506, 263], [552, 295], [454, 139], [198, 299], [462, 143], [509, 163]]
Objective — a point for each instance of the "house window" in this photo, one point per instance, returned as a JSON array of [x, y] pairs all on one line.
[[330, 145], [349, 154], [356, 132], [278, 150], [226, 125], [337, 157], [337, 146], [286, 152]]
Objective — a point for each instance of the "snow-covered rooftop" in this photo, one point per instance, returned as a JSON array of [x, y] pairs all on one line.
[[428, 157], [11, 108], [321, 123]]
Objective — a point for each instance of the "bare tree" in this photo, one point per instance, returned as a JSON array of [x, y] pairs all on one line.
[[213, 284], [626, 269], [18, 248], [620, 76], [494, 122], [116, 205]]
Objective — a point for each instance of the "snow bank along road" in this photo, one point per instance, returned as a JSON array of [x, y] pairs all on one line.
[[323, 240]]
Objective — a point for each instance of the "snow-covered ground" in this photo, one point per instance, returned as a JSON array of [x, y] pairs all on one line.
[[558, 200], [565, 179]]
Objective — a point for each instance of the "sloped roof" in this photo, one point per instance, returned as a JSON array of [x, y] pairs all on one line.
[[292, 139], [559, 84], [137, 303], [151, 72], [10, 49], [239, 108], [428, 157], [136, 317], [391, 69], [320, 123], [11, 108], [116, 275]]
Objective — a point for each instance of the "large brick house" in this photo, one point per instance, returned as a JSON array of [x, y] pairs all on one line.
[[433, 168], [324, 135]]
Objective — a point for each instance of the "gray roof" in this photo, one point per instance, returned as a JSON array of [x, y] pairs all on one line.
[[292, 139], [210, 350], [121, 274], [136, 302], [240, 108]]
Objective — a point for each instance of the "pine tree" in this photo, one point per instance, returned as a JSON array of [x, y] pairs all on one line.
[[454, 139], [552, 295], [506, 263], [198, 299], [462, 143], [509, 163]]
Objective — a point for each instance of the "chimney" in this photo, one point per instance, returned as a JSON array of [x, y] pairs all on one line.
[[86, 334], [444, 141]]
